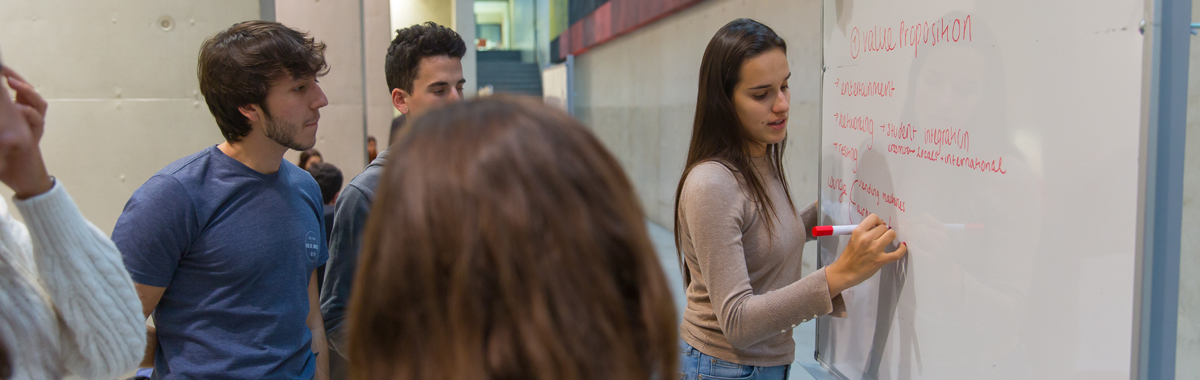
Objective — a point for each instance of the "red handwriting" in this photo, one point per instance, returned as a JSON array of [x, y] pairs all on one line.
[[920, 151], [848, 152], [974, 163], [864, 187], [983, 165], [902, 131], [931, 155], [893, 200], [858, 123], [865, 89], [862, 210], [901, 150], [931, 33], [949, 136], [937, 31], [874, 39], [838, 185]]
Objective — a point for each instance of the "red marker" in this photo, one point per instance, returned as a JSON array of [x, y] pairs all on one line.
[[833, 230], [847, 229]]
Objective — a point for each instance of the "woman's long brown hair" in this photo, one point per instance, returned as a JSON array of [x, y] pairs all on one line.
[[6, 369], [506, 243], [717, 133]]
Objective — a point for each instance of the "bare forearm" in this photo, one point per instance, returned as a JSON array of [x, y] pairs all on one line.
[[320, 347], [151, 346], [316, 324]]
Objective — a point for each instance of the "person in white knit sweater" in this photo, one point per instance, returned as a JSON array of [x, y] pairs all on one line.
[[67, 304]]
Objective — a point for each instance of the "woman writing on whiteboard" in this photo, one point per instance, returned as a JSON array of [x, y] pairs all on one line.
[[739, 235]]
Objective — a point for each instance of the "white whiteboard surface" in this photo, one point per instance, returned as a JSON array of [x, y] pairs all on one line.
[[1000, 140]]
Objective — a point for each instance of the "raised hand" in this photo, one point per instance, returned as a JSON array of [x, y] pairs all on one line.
[[22, 123]]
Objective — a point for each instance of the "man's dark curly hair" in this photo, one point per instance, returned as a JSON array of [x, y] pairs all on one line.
[[414, 43], [238, 64]]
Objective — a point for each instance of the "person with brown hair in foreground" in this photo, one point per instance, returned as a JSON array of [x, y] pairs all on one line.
[[506, 243]]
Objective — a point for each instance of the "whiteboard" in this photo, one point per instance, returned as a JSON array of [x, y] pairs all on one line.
[[1000, 140]]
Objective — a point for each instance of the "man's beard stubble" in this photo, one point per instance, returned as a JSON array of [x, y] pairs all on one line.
[[284, 134]]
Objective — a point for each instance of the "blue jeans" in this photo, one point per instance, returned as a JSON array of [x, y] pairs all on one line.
[[695, 365]]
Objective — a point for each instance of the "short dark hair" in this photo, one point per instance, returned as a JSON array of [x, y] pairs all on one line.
[[414, 43], [397, 123], [370, 138], [306, 155], [238, 64], [328, 177]]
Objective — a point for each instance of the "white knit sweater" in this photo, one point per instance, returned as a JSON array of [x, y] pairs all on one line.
[[67, 305]]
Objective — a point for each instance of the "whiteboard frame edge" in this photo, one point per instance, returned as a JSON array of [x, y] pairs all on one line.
[[1160, 189], [820, 370]]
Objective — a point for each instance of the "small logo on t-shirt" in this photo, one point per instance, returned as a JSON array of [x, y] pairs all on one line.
[[312, 246]]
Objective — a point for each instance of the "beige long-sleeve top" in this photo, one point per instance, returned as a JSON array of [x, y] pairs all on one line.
[[747, 292], [67, 305]]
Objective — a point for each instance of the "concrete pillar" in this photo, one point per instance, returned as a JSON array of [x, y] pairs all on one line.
[[352, 85], [378, 35], [464, 23]]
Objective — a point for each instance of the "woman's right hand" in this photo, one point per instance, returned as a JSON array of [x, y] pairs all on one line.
[[22, 122], [863, 256]]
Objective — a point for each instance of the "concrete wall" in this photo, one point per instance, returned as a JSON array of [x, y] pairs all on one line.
[[638, 93], [1187, 357], [123, 93], [405, 13], [463, 22]]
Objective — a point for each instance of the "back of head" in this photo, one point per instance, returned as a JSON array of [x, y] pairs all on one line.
[[328, 177], [238, 64], [414, 43], [506, 243], [397, 123], [5, 362]]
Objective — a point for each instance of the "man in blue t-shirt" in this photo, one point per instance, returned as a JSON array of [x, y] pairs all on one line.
[[222, 244]]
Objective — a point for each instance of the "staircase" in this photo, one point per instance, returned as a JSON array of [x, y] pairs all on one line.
[[505, 72]]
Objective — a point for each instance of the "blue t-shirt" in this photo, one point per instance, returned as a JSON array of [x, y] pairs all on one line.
[[235, 250]]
